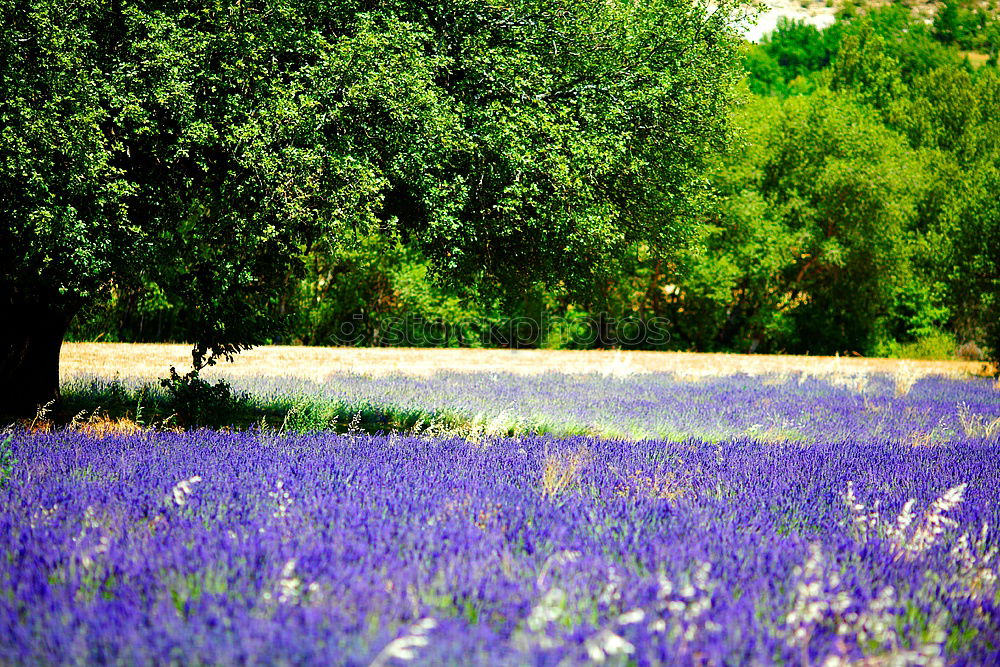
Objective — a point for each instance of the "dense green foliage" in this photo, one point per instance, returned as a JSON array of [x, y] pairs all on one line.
[[188, 155], [824, 194], [919, 159], [858, 214]]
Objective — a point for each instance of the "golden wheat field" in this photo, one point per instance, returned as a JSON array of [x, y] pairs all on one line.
[[150, 361]]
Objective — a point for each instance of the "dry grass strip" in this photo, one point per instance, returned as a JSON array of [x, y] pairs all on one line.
[[151, 361]]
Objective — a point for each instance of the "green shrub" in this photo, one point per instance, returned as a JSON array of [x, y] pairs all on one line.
[[938, 345], [197, 402]]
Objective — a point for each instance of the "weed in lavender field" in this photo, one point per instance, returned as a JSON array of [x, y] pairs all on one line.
[[405, 647], [105, 426], [921, 439], [977, 426], [906, 537], [903, 380], [973, 563], [561, 470], [619, 365], [660, 484], [183, 489]]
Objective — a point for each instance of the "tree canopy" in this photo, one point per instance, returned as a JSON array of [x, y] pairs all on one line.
[[201, 148], [863, 215]]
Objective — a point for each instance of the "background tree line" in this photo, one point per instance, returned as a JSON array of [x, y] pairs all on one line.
[[858, 213]]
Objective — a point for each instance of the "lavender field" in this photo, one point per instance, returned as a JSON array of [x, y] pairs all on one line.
[[543, 520]]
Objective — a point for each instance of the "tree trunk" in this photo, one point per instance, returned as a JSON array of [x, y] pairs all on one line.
[[30, 339]]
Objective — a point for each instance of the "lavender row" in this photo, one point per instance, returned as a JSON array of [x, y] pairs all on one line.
[[931, 410], [239, 548]]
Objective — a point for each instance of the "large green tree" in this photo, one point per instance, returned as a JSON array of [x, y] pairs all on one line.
[[199, 148]]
